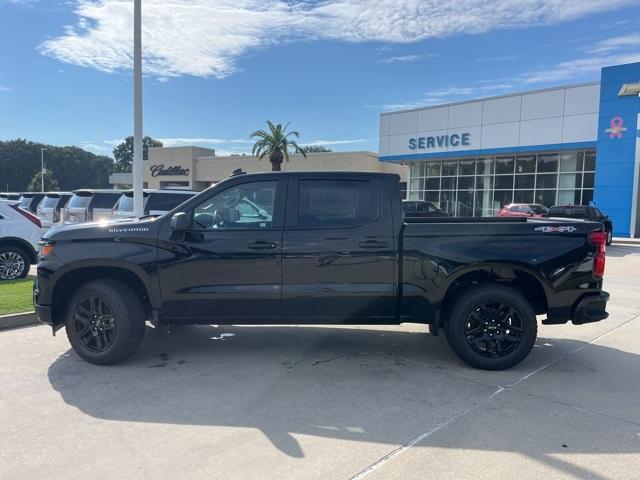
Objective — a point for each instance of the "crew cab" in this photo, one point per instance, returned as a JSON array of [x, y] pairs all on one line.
[[318, 247]]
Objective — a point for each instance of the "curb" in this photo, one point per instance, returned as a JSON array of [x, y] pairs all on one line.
[[15, 320], [627, 243]]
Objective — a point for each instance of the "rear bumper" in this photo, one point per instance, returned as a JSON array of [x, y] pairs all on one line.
[[591, 308]]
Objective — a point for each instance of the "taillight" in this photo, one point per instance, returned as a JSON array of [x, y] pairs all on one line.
[[30, 216], [598, 239]]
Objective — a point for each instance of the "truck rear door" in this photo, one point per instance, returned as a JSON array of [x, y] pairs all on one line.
[[338, 256]]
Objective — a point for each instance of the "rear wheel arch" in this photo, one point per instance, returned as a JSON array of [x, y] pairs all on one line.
[[530, 287]]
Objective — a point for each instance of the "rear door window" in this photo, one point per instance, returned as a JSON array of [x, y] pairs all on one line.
[[335, 203]]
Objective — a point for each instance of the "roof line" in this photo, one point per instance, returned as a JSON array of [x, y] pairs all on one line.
[[495, 97]]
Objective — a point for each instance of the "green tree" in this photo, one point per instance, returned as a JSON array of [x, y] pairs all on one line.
[[276, 144], [50, 183], [123, 153], [72, 167], [316, 149]]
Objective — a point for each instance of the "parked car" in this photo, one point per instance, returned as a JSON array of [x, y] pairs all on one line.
[[51, 206], [31, 200], [156, 202], [322, 247], [91, 205], [420, 208], [20, 232], [534, 210], [584, 213], [10, 196]]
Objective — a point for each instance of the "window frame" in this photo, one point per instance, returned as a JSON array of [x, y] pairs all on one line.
[[293, 202]]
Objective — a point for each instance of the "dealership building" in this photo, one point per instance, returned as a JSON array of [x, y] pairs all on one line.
[[575, 144], [198, 168]]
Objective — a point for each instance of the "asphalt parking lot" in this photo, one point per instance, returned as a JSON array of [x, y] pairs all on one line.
[[329, 402]]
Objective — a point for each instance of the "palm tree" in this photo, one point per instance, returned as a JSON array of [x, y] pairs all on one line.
[[276, 144]]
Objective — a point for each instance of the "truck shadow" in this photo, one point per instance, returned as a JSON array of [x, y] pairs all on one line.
[[384, 385]]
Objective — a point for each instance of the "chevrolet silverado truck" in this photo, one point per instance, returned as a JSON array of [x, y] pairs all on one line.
[[309, 248]]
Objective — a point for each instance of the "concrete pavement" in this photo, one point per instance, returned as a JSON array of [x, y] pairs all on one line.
[[328, 402]]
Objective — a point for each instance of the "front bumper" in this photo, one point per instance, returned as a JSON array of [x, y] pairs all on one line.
[[43, 312], [591, 308]]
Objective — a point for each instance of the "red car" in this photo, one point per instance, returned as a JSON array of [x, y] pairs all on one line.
[[523, 210]]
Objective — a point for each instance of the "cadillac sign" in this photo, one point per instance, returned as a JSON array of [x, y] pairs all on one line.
[[159, 170]]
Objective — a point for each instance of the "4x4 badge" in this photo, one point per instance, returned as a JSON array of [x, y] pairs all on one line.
[[562, 229]]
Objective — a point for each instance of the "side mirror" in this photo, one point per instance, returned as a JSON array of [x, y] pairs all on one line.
[[180, 222]]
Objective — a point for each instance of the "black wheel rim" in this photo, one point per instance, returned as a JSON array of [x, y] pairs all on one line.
[[95, 323], [493, 330]]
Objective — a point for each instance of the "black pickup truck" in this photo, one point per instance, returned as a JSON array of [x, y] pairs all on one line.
[[317, 247]]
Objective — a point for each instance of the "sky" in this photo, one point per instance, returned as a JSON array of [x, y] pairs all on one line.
[[216, 70]]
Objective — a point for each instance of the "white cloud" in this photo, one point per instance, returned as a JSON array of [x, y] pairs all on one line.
[[610, 51], [206, 37], [4, 88], [400, 59]]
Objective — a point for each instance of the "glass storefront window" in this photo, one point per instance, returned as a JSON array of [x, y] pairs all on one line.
[[546, 180], [525, 181], [589, 162], [433, 168], [433, 183], [504, 182], [465, 183], [504, 165], [480, 186], [546, 197], [548, 162], [526, 164], [588, 180], [523, 196], [448, 183], [571, 162], [484, 166], [568, 197], [570, 180], [467, 167], [449, 167]]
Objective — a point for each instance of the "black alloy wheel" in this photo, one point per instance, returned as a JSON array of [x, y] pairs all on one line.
[[493, 330], [95, 323]]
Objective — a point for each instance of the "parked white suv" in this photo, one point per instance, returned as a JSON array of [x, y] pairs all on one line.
[[20, 232]]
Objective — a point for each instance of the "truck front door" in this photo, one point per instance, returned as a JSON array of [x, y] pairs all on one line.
[[229, 264], [338, 252]]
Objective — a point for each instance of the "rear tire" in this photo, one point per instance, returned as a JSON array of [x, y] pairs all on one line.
[[105, 322], [491, 327], [14, 263]]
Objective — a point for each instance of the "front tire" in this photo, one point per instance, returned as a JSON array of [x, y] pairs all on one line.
[[105, 322], [492, 327], [14, 263], [609, 238]]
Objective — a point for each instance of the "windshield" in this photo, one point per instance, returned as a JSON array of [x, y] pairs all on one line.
[[49, 202], [125, 204], [79, 201]]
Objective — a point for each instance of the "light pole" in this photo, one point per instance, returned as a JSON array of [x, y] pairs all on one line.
[[42, 149], [138, 168]]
